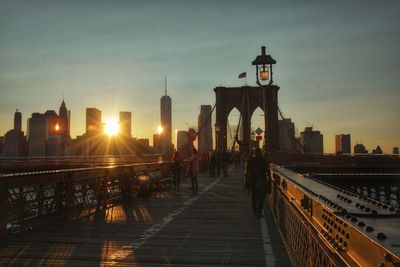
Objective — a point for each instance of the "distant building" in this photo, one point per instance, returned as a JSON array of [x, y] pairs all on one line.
[[1, 143], [125, 124], [48, 133], [377, 150], [205, 129], [287, 139], [360, 149], [14, 140], [55, 132], [156, 142], [181, 139], [17, 121], [312, 141], [37, 135], [144, 141], [93, 121], [343, 144], [64, 128], [166, 121], [395, 150]]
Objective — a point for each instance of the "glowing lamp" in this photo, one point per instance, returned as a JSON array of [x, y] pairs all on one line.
[[264, 75], [263, 65]]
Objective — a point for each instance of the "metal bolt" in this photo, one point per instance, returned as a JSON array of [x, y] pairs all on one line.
[[369, 229], [388, 257], [381, 236], [361, 224]]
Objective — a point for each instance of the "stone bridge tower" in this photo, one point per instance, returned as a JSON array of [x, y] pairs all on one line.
[[246, 99]]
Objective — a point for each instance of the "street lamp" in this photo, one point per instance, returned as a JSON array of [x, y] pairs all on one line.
[[263, 65]]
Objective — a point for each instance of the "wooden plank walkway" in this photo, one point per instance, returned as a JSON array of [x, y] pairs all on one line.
[[212, 227]]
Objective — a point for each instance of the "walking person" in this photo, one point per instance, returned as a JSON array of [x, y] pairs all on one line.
[[218, 162], [176, 169], [224, 162], [194, 169], [211, 163], [257, 171]]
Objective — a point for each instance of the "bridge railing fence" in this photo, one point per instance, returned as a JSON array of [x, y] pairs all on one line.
[[300, 238], [30, 199], [318, 232]]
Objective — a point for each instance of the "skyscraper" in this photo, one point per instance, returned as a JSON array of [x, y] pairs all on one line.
[[287, 140], [125, 124], [17, 121], [205, 129], [343, 143], [14, 140], [312, 141], [166, 120], [63, 114], [37, 135], [64, 121], [93, 121]]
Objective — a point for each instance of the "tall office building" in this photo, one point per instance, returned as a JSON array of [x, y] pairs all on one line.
[[64, 126], [287, 139], [125, 124], [312, 142], [156, 142], [93, 121], [37, 135], [343, 143], [56, 130], [17, 121], [63, 113], [166, 119], [205, 129], [14, 140]]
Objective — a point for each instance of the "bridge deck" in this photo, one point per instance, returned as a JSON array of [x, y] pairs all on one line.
[[214, 226]]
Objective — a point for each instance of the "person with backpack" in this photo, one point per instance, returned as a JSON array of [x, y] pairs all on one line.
[[256, 174]]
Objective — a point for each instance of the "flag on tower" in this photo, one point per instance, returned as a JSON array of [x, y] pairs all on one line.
[[242, 75]]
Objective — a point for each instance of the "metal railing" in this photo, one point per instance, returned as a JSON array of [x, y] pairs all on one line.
[[32, 198], [318, 230]]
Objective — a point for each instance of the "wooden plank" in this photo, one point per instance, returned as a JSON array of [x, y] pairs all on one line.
[[212, 227]]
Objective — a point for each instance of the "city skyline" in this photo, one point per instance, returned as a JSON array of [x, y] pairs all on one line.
[[339, 73]]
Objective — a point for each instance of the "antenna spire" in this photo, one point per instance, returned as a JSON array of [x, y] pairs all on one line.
[[165, 85]]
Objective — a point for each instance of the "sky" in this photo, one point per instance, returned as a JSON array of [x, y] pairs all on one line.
[[338, 62]]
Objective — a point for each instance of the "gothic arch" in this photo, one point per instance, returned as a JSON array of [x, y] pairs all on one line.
[[246, 99]]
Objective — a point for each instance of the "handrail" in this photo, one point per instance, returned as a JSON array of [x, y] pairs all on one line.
[[31, 198], [321, 224]]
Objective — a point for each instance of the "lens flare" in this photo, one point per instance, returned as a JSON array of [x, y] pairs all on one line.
[[111, 128]]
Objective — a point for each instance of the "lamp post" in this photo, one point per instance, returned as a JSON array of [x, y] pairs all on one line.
[[263, 65]]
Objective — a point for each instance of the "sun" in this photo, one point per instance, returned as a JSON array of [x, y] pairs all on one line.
[[111, 128], [160, 129]]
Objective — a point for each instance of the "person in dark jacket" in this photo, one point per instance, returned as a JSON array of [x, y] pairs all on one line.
[[176, 169], [256, 173]]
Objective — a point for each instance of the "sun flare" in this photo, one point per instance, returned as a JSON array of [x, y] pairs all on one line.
[[111, 128], [160, 129]]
